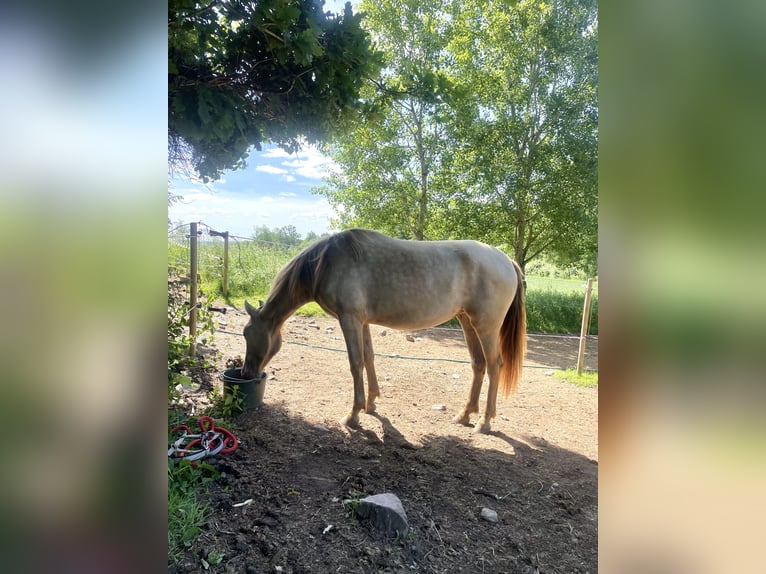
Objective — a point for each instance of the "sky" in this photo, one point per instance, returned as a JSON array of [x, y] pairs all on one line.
[[274, 190]]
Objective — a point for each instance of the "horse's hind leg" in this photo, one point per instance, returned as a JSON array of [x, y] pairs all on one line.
[[494, 362], [479, 365], [373, 391]]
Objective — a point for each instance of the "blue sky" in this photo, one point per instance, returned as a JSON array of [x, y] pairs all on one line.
[[274, 190]]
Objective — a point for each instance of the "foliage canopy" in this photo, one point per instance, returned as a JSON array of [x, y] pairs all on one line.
[[244, 72], [486, 127]]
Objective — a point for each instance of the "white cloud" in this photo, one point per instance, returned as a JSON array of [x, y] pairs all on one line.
[[308, 163], [239, 214], [250, 198], [271, 169]]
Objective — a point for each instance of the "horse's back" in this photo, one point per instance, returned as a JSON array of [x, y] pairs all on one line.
[[412, 284]]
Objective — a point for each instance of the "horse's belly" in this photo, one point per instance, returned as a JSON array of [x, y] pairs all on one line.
[[411, 314]]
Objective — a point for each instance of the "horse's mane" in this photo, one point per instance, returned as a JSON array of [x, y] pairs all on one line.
[[301, 276]]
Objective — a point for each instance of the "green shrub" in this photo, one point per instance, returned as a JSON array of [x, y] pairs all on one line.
[[179, 340]]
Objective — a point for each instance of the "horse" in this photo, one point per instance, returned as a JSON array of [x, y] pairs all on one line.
[[363, 277]]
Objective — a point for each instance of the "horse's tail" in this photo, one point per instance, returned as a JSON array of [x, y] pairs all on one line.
[[513, 338]]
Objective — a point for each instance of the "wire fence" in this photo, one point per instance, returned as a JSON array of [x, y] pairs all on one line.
[[251, 264]]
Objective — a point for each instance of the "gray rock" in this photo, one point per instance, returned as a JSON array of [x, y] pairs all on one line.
[[385, 511], [489, 515]]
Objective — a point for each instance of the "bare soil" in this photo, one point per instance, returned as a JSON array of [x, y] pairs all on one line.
[[537, 468]]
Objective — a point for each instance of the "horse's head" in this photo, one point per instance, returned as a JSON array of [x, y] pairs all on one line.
[[263, 340]]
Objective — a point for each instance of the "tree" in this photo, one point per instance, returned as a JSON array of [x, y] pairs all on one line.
[[244, 72], [391, 163], [487, 127], [529, 129], [285, 235]]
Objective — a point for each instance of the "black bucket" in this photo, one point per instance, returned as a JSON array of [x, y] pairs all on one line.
[[251, 390]]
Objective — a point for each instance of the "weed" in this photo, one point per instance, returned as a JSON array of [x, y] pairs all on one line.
[[215, 557], [352, 506], [228, 405], [408, 538]]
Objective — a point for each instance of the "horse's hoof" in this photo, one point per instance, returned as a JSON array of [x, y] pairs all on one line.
[[462, 419], [350, 422], [482, 427]]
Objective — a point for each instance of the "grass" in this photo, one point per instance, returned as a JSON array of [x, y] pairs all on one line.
[[551, 311], [556, 284], [186, 515], [587, 379]]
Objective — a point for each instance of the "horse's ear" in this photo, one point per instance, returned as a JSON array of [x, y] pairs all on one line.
[[252, 311], [260, 304]]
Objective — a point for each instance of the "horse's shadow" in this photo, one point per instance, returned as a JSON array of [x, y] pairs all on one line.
[[391, 435], [524, 447]]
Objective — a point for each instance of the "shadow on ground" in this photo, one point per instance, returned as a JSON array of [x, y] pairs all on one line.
[[296, 476]]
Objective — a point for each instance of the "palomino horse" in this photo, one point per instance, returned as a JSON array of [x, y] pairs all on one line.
[[361, 277]]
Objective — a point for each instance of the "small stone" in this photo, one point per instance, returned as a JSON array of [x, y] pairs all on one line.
[[489, 515], [383, 333], [549, 373], [455, 376], [410, 338], [439, 407]]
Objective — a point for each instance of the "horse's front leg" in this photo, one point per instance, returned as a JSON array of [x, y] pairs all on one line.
[[352, 333], [373, 391]]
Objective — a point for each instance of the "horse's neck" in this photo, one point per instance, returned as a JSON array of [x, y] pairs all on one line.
[[279, 307]]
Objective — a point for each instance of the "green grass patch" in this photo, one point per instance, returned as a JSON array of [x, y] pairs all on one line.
[[558, 284], [550, 311], [186, 515], [586, 379], [311, 310]]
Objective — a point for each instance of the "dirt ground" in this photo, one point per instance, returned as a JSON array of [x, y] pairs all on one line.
[[296, 464]]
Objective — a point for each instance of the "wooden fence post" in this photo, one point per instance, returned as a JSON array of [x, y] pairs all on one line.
[[584, 327], [225, 263], [193, 288], [225, 280]]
